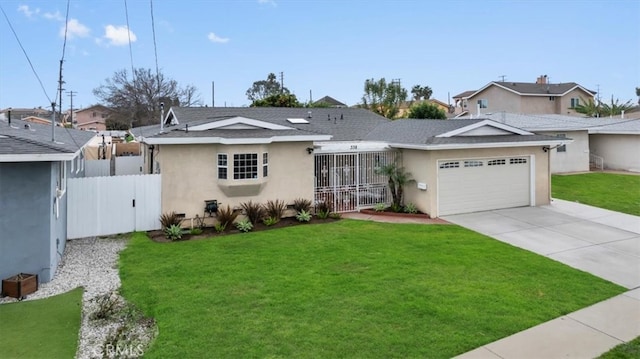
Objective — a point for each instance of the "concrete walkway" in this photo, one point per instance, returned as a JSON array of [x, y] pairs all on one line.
[[598, 241]]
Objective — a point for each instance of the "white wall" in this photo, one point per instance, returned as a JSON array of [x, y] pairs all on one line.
[[620, 152], [576, 157]]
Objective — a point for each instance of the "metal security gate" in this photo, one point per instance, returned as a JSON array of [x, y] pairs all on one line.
[[348, 181], [98, 206]]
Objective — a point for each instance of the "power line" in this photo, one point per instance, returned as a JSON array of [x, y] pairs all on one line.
[[155, 47], [133, 71], [25, 54], [64, 47]]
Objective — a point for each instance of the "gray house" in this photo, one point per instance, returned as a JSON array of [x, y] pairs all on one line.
[[35, 163]]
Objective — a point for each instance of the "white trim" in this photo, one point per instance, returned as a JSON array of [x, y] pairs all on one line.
[[491, 123], [239, 120], [38, 157], [233, 141], [527, 93], [532, 179], [463, 146]]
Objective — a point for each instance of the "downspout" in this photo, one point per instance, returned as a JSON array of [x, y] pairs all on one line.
[[151, 159]]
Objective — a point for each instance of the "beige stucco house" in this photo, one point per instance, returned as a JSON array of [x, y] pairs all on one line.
[[234, 155], [540, 97], [92, 118]]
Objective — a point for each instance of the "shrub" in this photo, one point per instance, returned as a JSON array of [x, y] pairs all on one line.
[[244, 225], [395, 207], [195, 231], [335, 215], [303, 216], [275, 209], [169, 219], [302, 204], [226, 215], [323, 213], [323, 206], [220, 227], [173, 233], [410, 208], [269, 221], [253, 211], [379, 207]]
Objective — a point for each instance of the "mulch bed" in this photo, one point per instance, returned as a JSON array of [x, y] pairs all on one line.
[[208, 232]]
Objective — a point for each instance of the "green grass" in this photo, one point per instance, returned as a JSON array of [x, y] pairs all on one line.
[[630, 350], [44, 328], [616, 192], [346, 289]]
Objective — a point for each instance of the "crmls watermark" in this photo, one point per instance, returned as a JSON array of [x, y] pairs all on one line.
[[120, 351]]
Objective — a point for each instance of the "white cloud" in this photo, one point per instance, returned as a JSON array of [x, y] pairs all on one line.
[[53, 16], [75, 29], [217, 39], [26, 10], [270, 2], [118, 35]]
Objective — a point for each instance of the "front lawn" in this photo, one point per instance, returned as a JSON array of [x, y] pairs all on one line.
[[346, 289], [630, 350], [617, 192], [43, 328]]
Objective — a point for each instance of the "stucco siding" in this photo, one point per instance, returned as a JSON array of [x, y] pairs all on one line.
[[26, 201], [424, 166], [620, 152], [576, 156], [565, 104], [190, 176], [538, 104], [497, 98]]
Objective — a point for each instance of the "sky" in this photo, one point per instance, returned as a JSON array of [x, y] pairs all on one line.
[[321, 47]]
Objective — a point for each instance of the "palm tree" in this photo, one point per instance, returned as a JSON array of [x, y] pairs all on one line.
[[398, 177]]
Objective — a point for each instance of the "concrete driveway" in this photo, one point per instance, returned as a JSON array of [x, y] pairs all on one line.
[[598, 241]]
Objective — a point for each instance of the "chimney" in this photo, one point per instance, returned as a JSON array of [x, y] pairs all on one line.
[[541, 80]]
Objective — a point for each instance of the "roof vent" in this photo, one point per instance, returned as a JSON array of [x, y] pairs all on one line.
[[27, 126], [341, 116], [309, 114], [328, 117]]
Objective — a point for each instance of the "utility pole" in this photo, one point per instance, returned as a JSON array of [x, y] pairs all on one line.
[[71, 94], [502, 77], [281, 82], [213, 92], [60, 89]]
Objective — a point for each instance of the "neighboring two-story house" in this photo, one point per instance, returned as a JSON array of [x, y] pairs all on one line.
[[540, 97], [91, 118]]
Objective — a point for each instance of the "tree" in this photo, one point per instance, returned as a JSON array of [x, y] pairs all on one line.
[[136, 101], [638, 94], [262, 89], [421, 93], [615, 107], [426, 110], [383, 98], [398, 177], [278, 100], [588, 108], [593, 109]]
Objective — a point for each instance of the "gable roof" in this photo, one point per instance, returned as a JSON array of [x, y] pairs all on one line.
[[330, 101], [448, 134], [27, 142], [94, 107], [337, 124], [529, 89], [555, 122]]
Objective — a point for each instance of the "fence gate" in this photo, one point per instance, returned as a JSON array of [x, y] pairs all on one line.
[[98, 206], [349, 181]]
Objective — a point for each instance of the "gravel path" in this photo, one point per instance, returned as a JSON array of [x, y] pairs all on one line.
[[93, 264]]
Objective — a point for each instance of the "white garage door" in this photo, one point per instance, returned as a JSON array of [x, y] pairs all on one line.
[[471, 185]]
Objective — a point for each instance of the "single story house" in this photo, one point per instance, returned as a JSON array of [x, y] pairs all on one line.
[[35, 163], [234, 155], [614, 142]]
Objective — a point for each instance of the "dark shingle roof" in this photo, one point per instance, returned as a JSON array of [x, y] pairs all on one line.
[[424, 132], [330, 101], [341, 123], [529, 88], [17, 139]]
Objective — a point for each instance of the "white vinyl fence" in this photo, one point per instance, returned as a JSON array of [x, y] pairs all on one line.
[[96, 168], [98, 206], [129, 165]]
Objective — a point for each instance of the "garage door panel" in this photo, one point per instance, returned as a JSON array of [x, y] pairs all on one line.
[[483, 187]]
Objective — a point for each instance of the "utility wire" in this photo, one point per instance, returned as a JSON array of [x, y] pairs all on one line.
[[155, 47], [26, 55], [133, 71], [64, 47]]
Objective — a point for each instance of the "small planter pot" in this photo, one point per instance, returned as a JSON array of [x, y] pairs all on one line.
[[20, 285]]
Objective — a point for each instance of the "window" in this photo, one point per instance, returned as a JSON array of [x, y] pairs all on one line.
[[499, 162], [473, 163], [515, 161], [575, 102], [450, 165], [265, 164], [552, 98], [245, 166], [483, 103], [93, 114], [562, 148], [222, 166]]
